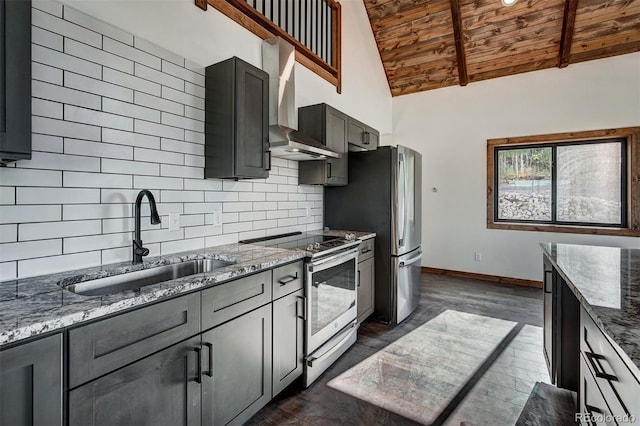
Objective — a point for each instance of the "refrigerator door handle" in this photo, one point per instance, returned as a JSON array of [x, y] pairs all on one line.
[[402, 187], [411, 261]]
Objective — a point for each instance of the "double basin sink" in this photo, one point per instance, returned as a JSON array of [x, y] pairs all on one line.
[[134, 281]]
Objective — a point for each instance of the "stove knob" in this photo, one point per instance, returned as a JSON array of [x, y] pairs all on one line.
[[350, 237], [316, 245], [310, 247]]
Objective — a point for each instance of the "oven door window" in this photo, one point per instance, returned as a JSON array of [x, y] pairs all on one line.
[[333, 292]]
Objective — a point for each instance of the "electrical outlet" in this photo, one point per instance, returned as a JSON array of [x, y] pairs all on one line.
[[478, 257], [174, 221], [308, 211], [217, 218]]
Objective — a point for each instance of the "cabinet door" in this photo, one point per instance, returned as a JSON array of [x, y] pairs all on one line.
[[15, 80], [356, 133], [336, 139], [241, 355], [366, 276], [288, 336], [31, 383], [252, 122], [162, 389]]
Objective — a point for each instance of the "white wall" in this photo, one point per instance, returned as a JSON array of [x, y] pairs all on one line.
[[450, 127], [209, 37]]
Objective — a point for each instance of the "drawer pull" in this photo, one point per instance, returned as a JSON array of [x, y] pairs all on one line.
[[209, 372], [593, 360], [286, 280], [365, 251], [199, 365]]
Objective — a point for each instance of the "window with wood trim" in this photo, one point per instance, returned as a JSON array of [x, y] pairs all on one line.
[[313, 27], [581, 182]]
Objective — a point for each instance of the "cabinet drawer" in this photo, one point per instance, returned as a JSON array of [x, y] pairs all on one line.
[[366, 249], [106, 345], [618, 385], [287, 279], [227, 301], [593, 408]]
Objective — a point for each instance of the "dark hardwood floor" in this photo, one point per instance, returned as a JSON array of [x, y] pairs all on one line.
[[494, 394]]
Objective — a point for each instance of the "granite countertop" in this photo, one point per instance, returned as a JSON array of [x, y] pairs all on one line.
[[38, 305], [606, 281]]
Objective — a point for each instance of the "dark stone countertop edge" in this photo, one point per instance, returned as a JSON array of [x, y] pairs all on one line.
[[81, 309], [617, 345]]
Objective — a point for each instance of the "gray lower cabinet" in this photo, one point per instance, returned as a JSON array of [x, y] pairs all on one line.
[[241, 356], [162, 389], [366, 279], [31, 383], [365, 293], [288, 338]]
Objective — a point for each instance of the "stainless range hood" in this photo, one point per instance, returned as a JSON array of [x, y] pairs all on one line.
[[278, 60]]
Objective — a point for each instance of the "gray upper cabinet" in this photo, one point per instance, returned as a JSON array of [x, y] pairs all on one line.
[[236, 121], [31, 382], [362, 137], [15, 80], [163, 389], [329, 126]]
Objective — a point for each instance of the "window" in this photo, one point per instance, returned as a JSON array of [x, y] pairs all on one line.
[[313, 27], [587, 182]]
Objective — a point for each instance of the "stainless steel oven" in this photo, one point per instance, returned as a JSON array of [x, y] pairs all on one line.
[[331, 283]]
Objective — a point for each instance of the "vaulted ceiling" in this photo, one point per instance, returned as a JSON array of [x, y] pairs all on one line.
[[429, 44]]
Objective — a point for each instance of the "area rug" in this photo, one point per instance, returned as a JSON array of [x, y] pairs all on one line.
[[418, 375]]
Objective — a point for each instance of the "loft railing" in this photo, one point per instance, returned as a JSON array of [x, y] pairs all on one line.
[[313, 27]]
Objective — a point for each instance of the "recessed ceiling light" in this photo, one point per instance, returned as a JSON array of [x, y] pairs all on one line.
[[509, 2]]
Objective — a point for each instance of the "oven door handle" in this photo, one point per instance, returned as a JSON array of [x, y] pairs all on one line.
[[331, 350], [330, 262]]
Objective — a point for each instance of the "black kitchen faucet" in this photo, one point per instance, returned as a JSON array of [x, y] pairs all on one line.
[[138, 251]]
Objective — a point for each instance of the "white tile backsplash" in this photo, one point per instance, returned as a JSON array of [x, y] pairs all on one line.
[[114, 114]]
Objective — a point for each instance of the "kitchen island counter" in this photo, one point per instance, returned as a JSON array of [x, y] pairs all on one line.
[[606, 282]]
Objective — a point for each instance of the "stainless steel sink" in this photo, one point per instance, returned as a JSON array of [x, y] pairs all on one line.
[[133, 281]]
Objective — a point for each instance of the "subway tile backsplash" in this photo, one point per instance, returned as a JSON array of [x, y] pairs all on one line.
[[113, 114]]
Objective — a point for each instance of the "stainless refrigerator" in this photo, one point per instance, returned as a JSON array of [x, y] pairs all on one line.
[[384, 196]]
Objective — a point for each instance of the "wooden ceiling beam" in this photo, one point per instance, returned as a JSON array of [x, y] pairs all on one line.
[[456, 18], [568, 25]]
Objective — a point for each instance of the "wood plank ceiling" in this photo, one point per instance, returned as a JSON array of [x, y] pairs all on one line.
[[429, 44]]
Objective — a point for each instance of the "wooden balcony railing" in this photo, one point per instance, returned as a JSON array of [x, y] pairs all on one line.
[[313, 27]]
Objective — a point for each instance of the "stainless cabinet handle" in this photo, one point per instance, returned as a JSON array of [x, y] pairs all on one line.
[[358, 278], [304, 308], [269, 160], [592, 358], [209, 372], [199, 365], [363, 251], [328, 170], [366, 138], [287, 279]]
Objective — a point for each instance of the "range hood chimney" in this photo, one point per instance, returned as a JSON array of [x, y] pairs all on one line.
[[278, 60]]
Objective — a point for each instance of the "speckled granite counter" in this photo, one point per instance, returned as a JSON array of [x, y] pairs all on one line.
[[606, 281], [38, 305]]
